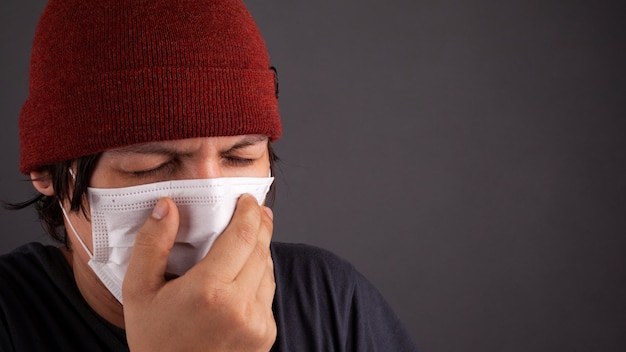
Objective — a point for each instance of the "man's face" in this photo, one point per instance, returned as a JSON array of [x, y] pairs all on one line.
[[194, 158]]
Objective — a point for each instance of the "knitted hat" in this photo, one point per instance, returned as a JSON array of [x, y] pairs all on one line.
[[111, 73]]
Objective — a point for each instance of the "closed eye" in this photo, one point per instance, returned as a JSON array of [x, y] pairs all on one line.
[[236, 161], [161, 169]]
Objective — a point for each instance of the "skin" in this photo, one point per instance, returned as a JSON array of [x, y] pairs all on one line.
[[224, 302]]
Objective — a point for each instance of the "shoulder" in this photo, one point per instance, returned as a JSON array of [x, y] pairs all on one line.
[[323, 303], [310, 262], [32, 259], [37, 293], [31, 269], [305, 253], [312, 274]]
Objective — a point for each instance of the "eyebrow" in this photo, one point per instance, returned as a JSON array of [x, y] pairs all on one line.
[[157, 148], [245, 142]]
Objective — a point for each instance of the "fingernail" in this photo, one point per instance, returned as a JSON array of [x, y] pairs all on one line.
[[160, 209], [269, 212]]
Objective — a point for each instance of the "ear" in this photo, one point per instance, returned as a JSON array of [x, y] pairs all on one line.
[[42, 181]]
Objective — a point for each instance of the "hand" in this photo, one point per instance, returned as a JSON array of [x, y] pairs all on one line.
[[223, 303]]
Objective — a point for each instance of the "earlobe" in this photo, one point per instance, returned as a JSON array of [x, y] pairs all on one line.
[[42, 181]]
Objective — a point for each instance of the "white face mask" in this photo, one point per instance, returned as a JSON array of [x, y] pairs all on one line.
[[205, 207]]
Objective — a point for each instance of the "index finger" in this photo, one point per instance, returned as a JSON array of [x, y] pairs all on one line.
[[151, 250], [233, 247]]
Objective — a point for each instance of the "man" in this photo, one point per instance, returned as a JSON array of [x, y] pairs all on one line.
[[147, 133]]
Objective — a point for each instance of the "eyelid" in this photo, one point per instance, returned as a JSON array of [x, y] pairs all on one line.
[[236, 161], [165, 166]]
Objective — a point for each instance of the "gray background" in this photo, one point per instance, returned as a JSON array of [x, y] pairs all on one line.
[[466, 156]]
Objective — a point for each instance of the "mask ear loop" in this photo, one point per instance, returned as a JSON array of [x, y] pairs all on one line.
[[67, 218], [80, 240]]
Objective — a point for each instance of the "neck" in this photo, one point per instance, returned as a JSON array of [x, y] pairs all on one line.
[[93, 291]]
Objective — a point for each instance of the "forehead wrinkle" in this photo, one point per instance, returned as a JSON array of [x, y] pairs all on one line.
[[165, 147], [144, 148], [247, 141]]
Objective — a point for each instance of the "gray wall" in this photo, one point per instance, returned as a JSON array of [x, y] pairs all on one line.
[[466, 156]]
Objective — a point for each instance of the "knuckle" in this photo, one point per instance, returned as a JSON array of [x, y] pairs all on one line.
[[265, 231], [268, 288], [266, 234], [218, 295], [262, 252], [247, 231], [258, 327], [272, 331], [244, 317], [267, 223], [147, 240]]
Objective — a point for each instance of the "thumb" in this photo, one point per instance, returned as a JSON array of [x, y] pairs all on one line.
[[151, 251]]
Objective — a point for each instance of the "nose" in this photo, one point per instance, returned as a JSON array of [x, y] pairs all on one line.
[[207, 167], [204, 161]]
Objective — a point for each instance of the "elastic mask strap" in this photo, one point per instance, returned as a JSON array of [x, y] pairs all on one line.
[[67, 218]]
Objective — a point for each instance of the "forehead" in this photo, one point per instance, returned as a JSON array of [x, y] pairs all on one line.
[[220, 143]]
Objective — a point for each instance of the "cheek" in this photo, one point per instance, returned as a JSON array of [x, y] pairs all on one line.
[[101, 178]]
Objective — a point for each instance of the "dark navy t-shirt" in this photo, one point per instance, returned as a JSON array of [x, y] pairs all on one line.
[[321, 304]]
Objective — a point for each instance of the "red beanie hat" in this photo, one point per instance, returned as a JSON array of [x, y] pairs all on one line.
[[111, 73]]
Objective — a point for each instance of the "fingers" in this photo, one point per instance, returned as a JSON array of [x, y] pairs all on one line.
[[267, 286], [151, 251], [225, 300], [240, 254], [255, 270], [233, 247]]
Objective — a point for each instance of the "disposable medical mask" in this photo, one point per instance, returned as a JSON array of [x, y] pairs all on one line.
[[205, 207]]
